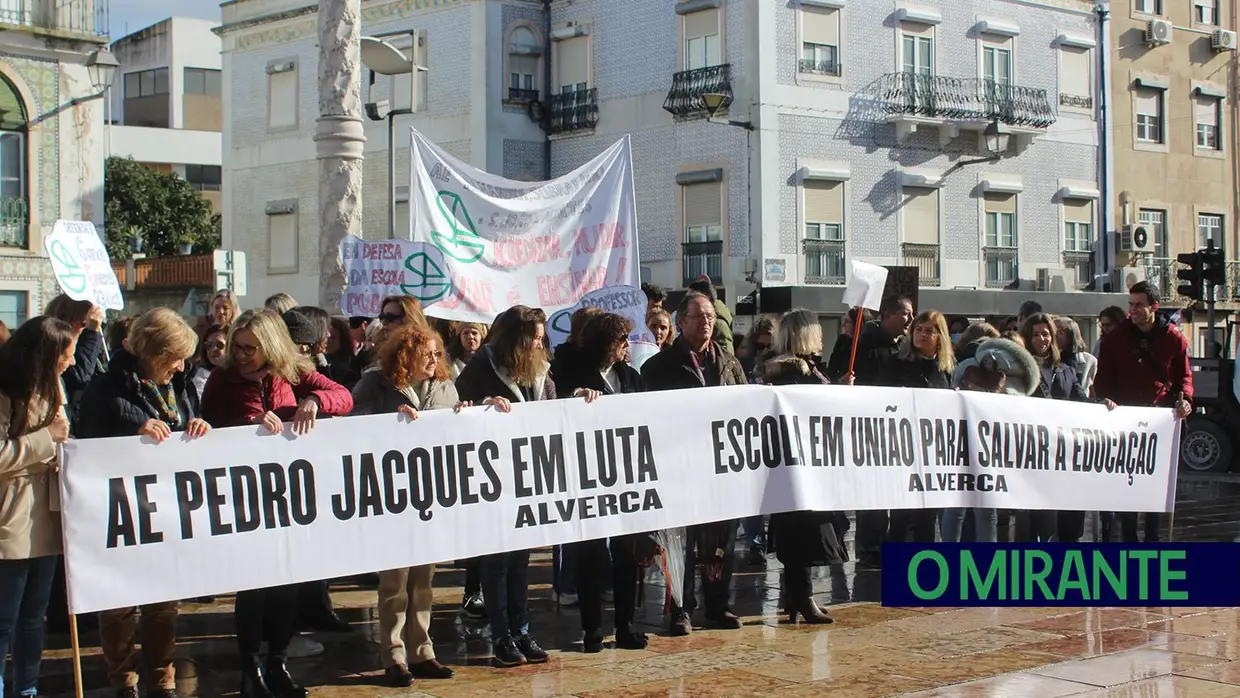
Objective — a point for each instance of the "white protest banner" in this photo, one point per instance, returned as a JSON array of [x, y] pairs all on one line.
[[482, 243], [865, 286], [628, 301], [81, 264], [241, 509], [378, 269]]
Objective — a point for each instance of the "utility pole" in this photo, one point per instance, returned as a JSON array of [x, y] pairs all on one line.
[[339, 141]]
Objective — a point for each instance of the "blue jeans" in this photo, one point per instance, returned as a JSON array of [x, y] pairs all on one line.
[[505, 586], [985, 525], [25, 586]]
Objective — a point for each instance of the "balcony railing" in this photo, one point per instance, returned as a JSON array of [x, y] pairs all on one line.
[[14, 222], [819, 67], [573, 111], [688, 86], [1081, 264], [1076, 101], [84, 17], [965, 99], [1001, 265], [519, 94], [1233, 281], [824, 261], [926, 258], [1160, 273], [703, 258]]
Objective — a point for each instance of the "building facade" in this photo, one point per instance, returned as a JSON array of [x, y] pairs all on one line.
[[167, 106], [842, 130], [51, 139]]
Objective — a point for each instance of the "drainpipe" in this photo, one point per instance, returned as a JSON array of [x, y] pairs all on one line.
[[1106, 213], [1234, 146], [546, 110]]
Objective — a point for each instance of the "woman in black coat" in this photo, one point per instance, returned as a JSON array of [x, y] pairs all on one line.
[[599, 364], [803, 539]]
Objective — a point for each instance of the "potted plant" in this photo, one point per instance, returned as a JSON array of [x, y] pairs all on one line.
[[185, 244]]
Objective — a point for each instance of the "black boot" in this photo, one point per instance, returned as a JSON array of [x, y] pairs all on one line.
[[280, 683], [252, 683]]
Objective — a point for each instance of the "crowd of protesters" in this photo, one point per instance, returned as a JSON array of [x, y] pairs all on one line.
[[286, 364]]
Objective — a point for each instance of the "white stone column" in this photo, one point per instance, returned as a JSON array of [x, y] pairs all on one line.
[[339, 140]]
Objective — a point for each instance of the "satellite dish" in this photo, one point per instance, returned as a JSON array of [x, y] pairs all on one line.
[[384, 58]]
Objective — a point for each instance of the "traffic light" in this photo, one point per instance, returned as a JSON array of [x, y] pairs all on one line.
[[1191, 281], [1213, 267]]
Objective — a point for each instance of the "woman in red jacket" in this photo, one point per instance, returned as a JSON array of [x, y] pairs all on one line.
[[265, 380]]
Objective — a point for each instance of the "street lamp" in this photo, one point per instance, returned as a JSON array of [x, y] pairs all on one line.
[[102, 66], [382, 58], [715, 101], [996, 140]]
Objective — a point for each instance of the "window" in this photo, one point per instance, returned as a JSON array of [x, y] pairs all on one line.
[[997, 63], [12, 166], [703, 210], [1205, 11], [200, 81], [1076, 77], [917, 46], [1078, 225], [573, 64], [146, 83], [1206, 114], [203, 177], [1210, 227], [920, 221], [1001, 242], [14, 308], [820, 40], [702, 45], [282, 96], [523, 60], [282, 243], [1155, 220], [1149, 7], [824, 230], [1149, 106]]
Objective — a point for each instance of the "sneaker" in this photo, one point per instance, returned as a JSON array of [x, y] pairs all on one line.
[[505, 653], [681, 625], [301, 647], [474, 607], [566, 600], [529, 647]]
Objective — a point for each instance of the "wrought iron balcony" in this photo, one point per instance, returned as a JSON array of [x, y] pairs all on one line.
[[14, 222], [519, 94], [1081, 264], [825, 262], [926, 258], [688, 86], [965, 99], [703, 258], [1160, 273], [1001, 265], [1076, 101], [573, 111], [819, 67], [1233, 281], [81, 17]]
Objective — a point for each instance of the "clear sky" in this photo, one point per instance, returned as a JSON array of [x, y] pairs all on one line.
[[139, 14]]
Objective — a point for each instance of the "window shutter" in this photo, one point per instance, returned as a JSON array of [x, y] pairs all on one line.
[[703, 204], [572, 65], [282, 242], [1078, 210], [282, 99], [820, 26], [1205, 110], [1146, 101], [1075, 71], [921, 215], [1000, 203], [704, 23], [824, 201]]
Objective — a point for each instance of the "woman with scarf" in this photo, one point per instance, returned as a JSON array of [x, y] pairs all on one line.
[[266, 381], [145, 392], [463, 344]]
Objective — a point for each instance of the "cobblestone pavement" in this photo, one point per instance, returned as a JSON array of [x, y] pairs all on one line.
[[869, 651]]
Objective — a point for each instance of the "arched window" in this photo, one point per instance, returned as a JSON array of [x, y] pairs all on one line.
[[14, 209], [523, 59]]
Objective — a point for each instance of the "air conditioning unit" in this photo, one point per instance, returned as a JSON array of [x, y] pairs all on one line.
[[1158, 32], [1124, 278], [1054, 280], [1136, 239], [1223, 40]]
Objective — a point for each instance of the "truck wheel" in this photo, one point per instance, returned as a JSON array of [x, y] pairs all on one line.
[[1205, 447]]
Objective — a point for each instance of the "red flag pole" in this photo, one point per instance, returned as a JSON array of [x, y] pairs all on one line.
[[852, 359]]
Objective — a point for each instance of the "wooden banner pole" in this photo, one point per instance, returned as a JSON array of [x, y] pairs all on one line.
[[852, 359], [77, 656]]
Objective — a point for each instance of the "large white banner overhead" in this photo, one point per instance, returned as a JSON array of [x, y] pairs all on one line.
[[481, 243], [240, 509]]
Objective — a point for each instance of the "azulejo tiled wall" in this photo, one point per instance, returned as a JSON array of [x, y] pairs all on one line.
[[42, 78]]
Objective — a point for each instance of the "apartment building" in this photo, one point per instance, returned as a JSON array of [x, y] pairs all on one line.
[[52, 83], [1173, 116], [167, 106], [957, 138]]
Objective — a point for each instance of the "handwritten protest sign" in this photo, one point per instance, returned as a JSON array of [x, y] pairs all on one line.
[[81, 264], [627, 301]]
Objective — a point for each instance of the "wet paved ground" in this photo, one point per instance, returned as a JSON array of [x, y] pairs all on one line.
[[869, 651]]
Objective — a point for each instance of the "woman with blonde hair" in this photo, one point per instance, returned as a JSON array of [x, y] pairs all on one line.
[[145, 392], [280, 302], [266, 380], [659, 321], [924, 360], [223, 308]]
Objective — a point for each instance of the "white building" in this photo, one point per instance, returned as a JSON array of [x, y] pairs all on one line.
[[166, 105], [850, 123], [51, 139]]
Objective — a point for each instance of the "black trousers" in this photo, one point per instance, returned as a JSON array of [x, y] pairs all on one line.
[[1035, 526], [1128, 526], [595, 563], [797, 585], [715, 592], [314, 603], [924, 522], [265, 614], [473, 577], [1071, 526], [871, 530]]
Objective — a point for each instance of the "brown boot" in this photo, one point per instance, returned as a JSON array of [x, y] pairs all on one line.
[[809, 611]]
